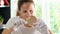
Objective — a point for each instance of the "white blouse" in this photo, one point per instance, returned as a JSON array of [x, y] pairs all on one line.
[[21, 29]]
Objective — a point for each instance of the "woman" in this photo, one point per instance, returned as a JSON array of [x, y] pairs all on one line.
[[25, 13]]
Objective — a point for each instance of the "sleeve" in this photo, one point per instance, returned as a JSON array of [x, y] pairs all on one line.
[[42, 27], [14, 23], [10, 24]]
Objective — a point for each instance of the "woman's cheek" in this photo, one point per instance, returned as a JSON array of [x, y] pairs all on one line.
[[24, 15]]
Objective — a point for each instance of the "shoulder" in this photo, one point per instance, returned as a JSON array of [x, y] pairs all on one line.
[[11, 22], [40, 22], [15, 21], [14, 18]]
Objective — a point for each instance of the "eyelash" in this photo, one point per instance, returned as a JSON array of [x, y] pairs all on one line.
[[26, 11], [30, 10]]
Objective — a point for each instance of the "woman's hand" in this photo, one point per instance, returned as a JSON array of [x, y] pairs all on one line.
[[10, 31], [7, 31]]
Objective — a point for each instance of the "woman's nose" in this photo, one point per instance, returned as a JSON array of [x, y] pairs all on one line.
[[29, 13]]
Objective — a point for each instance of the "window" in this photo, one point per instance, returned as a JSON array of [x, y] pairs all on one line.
[[50, 12]]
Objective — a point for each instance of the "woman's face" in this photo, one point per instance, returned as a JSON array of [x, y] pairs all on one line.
[[27, 10]]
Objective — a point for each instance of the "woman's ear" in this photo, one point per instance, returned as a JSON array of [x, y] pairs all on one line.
[[17, 13]]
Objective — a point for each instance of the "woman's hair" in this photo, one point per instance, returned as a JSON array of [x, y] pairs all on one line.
[[21, 2]]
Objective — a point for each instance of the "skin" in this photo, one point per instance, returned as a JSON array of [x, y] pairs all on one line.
[[27, 10]]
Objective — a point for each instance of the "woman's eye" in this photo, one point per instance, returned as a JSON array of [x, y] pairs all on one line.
[[30, 10], [25, 11]]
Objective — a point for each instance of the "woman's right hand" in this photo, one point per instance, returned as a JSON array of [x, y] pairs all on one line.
[[10, 30], [7, 31]]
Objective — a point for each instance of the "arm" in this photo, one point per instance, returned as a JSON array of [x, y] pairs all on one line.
[[11, 24], [8, 28], [6, 31], [43, 30], [50, 32], [42, 27]]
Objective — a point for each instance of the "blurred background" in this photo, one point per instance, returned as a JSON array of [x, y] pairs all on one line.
[[4, 13], [48, 10]]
